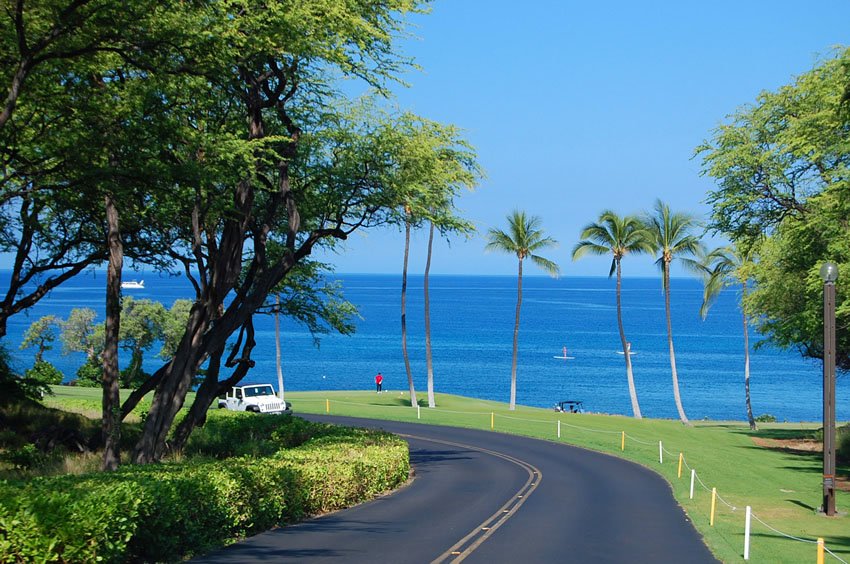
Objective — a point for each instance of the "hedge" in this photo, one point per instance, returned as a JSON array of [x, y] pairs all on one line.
[[171, 511]]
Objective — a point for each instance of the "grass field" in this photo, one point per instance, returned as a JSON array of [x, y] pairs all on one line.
[[783, 487]]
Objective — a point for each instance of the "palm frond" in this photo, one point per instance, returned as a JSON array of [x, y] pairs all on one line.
[[583, 248], [550, 267]]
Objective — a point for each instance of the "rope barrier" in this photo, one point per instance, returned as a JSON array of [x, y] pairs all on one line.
[[640, 442]]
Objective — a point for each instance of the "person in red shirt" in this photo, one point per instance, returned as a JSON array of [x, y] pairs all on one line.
[[379, 380]]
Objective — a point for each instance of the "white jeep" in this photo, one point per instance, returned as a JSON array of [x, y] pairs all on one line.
[[258, 398]]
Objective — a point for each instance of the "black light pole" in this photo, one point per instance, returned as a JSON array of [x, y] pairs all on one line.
[[829, 274]]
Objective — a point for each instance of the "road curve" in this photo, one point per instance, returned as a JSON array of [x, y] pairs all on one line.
[[480, 496]]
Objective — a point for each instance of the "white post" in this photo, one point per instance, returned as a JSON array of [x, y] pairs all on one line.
[[418, 413], [660, 453], [559, 428], [747, 534], [693, 475]]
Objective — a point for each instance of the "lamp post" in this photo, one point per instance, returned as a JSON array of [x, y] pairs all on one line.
[[829, 273]]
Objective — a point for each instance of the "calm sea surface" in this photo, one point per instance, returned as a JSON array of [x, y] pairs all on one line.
[[472, 321]]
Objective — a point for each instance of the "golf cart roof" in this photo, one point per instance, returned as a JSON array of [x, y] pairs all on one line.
[[569, 402]]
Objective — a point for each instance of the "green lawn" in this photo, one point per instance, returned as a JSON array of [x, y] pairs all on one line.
[[782, 487]]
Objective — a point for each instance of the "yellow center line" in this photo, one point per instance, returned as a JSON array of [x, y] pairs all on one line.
[[465, 546]]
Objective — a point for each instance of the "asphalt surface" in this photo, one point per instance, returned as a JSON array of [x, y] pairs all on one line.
[[481, 496]]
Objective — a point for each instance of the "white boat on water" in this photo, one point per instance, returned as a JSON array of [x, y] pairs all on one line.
[[133, 285]]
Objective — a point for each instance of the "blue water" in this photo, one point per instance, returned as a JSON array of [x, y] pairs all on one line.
[[472, 319]]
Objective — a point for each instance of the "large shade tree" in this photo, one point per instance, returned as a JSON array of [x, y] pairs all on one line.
[[306, 172], [782, 167], [672, 235], [56, 63], [616, 236], [524, 238]]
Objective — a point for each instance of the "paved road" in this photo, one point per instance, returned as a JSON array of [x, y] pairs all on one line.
[[488, 497]]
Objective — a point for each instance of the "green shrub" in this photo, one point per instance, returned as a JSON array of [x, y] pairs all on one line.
[[44, 373], [168, 512], [89, 375], [766, 418], [25, 457], [842, 440], [236, 433]]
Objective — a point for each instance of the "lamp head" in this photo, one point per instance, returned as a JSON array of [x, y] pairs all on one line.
[[829, 272]]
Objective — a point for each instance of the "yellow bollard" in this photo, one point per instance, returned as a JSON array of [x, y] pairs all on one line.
[[623, 441], [820, 551], [327, 406], [492, 420], [713, 505], [681, 457]]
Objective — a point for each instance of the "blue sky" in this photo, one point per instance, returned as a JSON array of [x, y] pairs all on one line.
[[578, 107]]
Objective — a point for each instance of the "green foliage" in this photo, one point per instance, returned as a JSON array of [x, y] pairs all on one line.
[[765, 418], [168, 512], [25, 457], [232, 433], [772, 156], [14, 388], [613, 235], [40, 334], [309, 297], [523, 238], [842, 444], [44, 373], [89, 375], [79, 333], [142, 324], [782, 166], [173, 327], [790, 260]]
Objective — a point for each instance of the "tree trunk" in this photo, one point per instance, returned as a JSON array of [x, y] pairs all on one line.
[[413, 401], [171, 391], [676, 395], [516, 336], [211, 388], [428, 359], [750, 418], [111, 423], [277, 347], [206, 394], [626, 349]]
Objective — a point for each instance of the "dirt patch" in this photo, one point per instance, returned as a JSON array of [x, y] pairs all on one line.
[[800, 446]]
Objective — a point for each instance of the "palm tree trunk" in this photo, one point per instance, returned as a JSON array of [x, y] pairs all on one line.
[[750, 418], [413, 402], [111, 404], [428, 360], [277, 347], [626, 349], [516, 337], [676, 394]]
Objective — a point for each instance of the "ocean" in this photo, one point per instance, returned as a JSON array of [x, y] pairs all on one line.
[[472, 320]]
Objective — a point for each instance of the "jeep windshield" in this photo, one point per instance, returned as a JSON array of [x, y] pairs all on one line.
[[259, 391]]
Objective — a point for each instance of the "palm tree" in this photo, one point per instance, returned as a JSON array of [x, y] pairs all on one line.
[[723, 267], [671, 235], [617, 236], [429, 363], [408, 220], [523, 238]]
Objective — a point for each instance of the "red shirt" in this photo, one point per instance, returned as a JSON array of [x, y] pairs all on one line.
[[379, 379]]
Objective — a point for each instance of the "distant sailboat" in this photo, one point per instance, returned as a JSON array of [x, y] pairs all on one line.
[[133, 285], [564, 356], [628, 348]]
